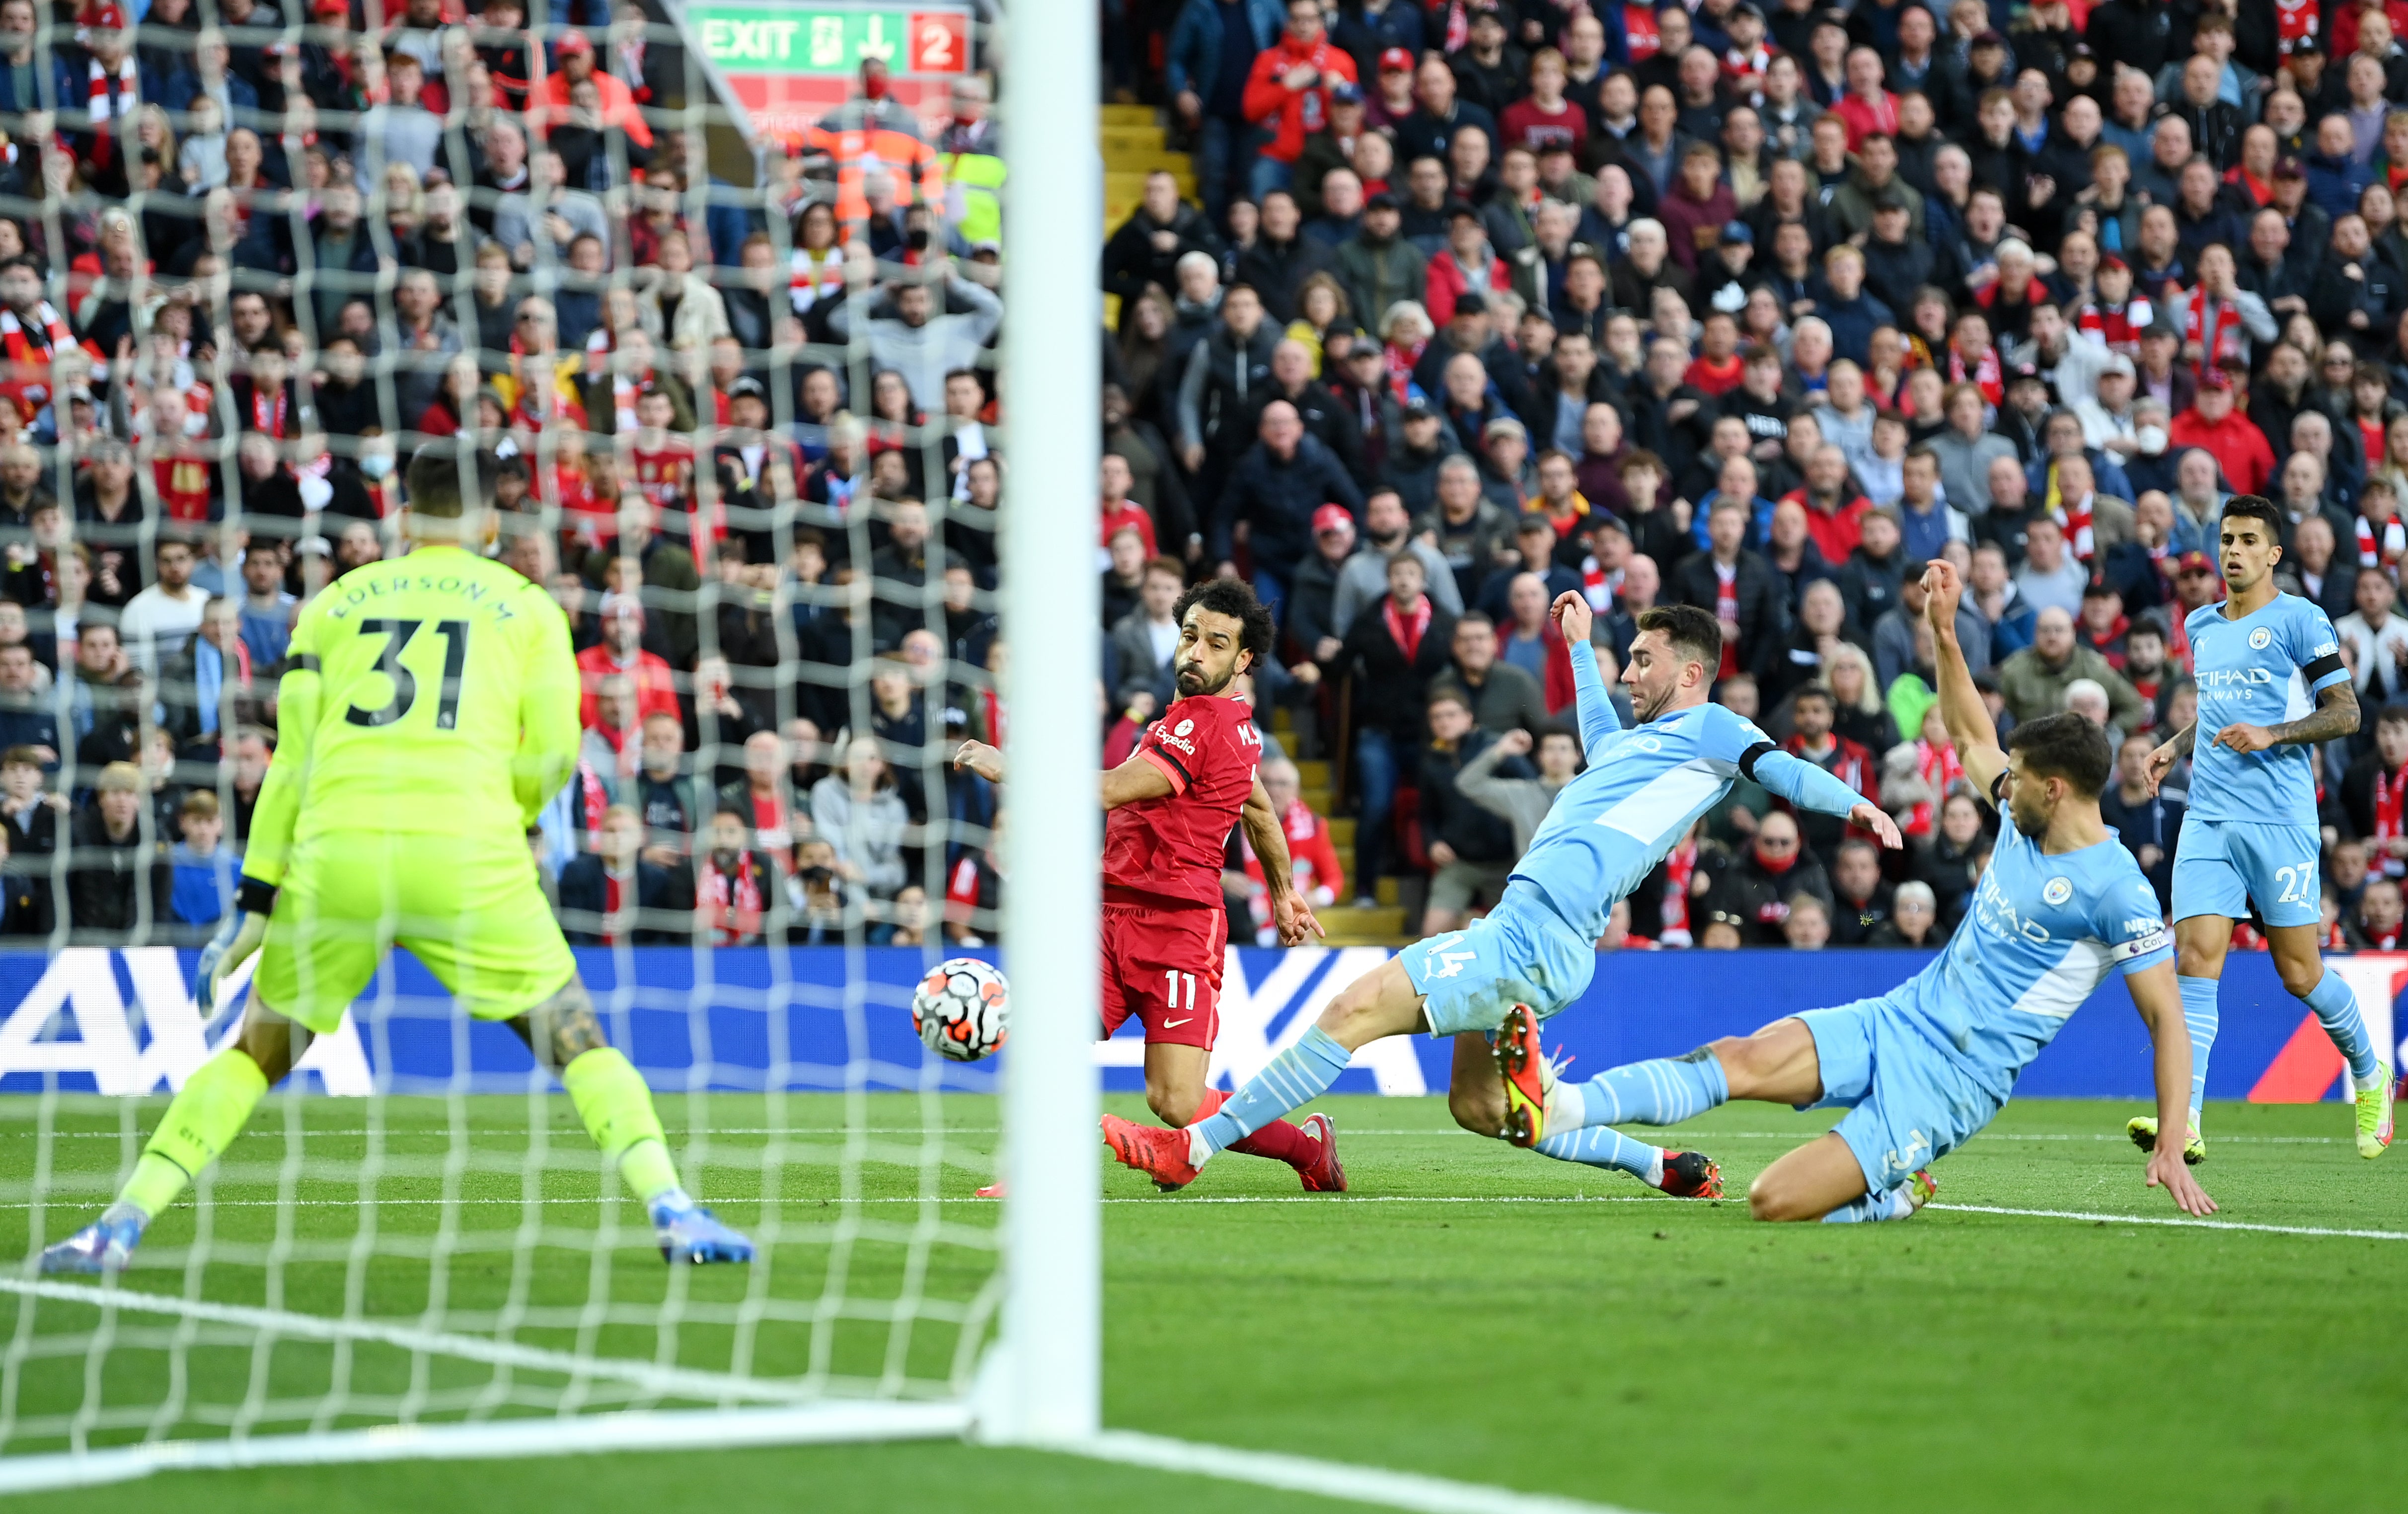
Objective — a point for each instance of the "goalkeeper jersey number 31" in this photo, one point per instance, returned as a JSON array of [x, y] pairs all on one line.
[[435, 694]]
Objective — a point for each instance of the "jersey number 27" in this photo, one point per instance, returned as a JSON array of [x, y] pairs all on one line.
[[397, 635]]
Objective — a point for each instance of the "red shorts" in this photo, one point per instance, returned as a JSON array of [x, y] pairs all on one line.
[[1162, 964]]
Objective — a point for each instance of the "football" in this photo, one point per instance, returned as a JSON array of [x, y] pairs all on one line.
[[962, 1010]]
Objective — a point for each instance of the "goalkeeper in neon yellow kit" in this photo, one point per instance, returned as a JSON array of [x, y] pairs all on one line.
[[429, 711]]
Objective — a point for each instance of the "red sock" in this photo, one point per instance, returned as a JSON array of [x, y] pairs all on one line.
[[1279, 1140]]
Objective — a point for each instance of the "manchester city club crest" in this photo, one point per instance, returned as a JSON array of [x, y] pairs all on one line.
[[2259, 638], [2058, 891]]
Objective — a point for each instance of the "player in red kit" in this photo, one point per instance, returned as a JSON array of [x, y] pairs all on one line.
[[1170, 807]]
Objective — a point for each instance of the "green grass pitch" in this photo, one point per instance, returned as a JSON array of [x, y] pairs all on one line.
[[1469, 1311]]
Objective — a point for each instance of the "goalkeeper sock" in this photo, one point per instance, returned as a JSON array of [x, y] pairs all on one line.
[[1870, 1209], [2198, 1012], [1303, 1071], [1601, 1146], [2336, 1008], [1279, 1141], [617, 1108], [202, 1122], [1663, 1091]]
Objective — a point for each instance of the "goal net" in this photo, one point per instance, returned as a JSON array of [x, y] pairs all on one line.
[[656, 271]]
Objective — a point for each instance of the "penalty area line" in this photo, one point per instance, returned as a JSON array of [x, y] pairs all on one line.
[[679, 1382], [1373, 1485]]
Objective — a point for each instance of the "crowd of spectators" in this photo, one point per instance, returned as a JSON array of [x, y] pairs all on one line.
[[1472, 304], [251, 258], [1761, 309]]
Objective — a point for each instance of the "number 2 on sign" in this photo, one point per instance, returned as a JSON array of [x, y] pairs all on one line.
[[1170, 979]]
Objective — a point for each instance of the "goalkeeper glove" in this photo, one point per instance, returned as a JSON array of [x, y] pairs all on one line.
[[238, 935]]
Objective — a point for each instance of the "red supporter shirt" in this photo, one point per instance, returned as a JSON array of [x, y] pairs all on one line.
[[1127, 515], [655, 685], [1174, 846], [183, 484], [665, 475]]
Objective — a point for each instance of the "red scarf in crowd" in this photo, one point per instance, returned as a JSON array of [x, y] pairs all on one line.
[[266, 415], [592, 798], [745, 891], [1985, 375], [1726, 611], [1596, 586], [1408, 632], [614, 898], [992, 703], [31, 350], [1458, 27], [109, 98], [2116, 326], [2217, 332], [1680, 866], [2075, 517], [1940, 771], [2386, 552], [2390, 789]]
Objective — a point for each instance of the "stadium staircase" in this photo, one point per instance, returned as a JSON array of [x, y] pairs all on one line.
[[1131, 138], [1347, 926]]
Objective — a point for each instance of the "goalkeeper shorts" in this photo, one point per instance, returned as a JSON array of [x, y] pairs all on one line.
[[472, 913]]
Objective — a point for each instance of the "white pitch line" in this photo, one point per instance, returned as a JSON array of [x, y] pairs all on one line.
[[679, 1382], [2174, 1223], [1351, 1134], [1373, 1485], [1322, 1200]]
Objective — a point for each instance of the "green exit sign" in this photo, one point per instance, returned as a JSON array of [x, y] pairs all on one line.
[[754, 39]]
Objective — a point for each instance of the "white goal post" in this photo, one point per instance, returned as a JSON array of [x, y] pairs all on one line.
[[1044, 1383]]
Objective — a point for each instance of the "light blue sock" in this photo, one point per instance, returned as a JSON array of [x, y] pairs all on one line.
[[2199, 995], [1599, 1147], [2336, 1009], [1663, 1091], [1871, 1209], [1304, 1071]]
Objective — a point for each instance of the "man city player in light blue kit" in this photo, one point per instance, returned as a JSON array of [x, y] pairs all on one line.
[[1535, 953], [2271, 685], [1924, 1066]]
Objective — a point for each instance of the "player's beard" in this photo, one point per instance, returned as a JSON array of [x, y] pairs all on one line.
[[2033, 827], [1191, 682]]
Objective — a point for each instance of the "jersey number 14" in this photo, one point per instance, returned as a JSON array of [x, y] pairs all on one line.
[[397, 635]]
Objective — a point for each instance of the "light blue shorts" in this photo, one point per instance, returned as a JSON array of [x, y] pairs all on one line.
[[1908, 1106], [2220, 866], [1521, 953]]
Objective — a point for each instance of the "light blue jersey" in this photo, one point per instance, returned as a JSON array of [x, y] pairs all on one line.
[[1644, 787], [2262, 669], [1924, 1066]]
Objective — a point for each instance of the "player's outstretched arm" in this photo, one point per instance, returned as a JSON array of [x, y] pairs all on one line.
[[2335, 716], [2156, 994], [1290, 912], [1970, 727], [1597, 720], [1787, 775], [1139, 777]]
